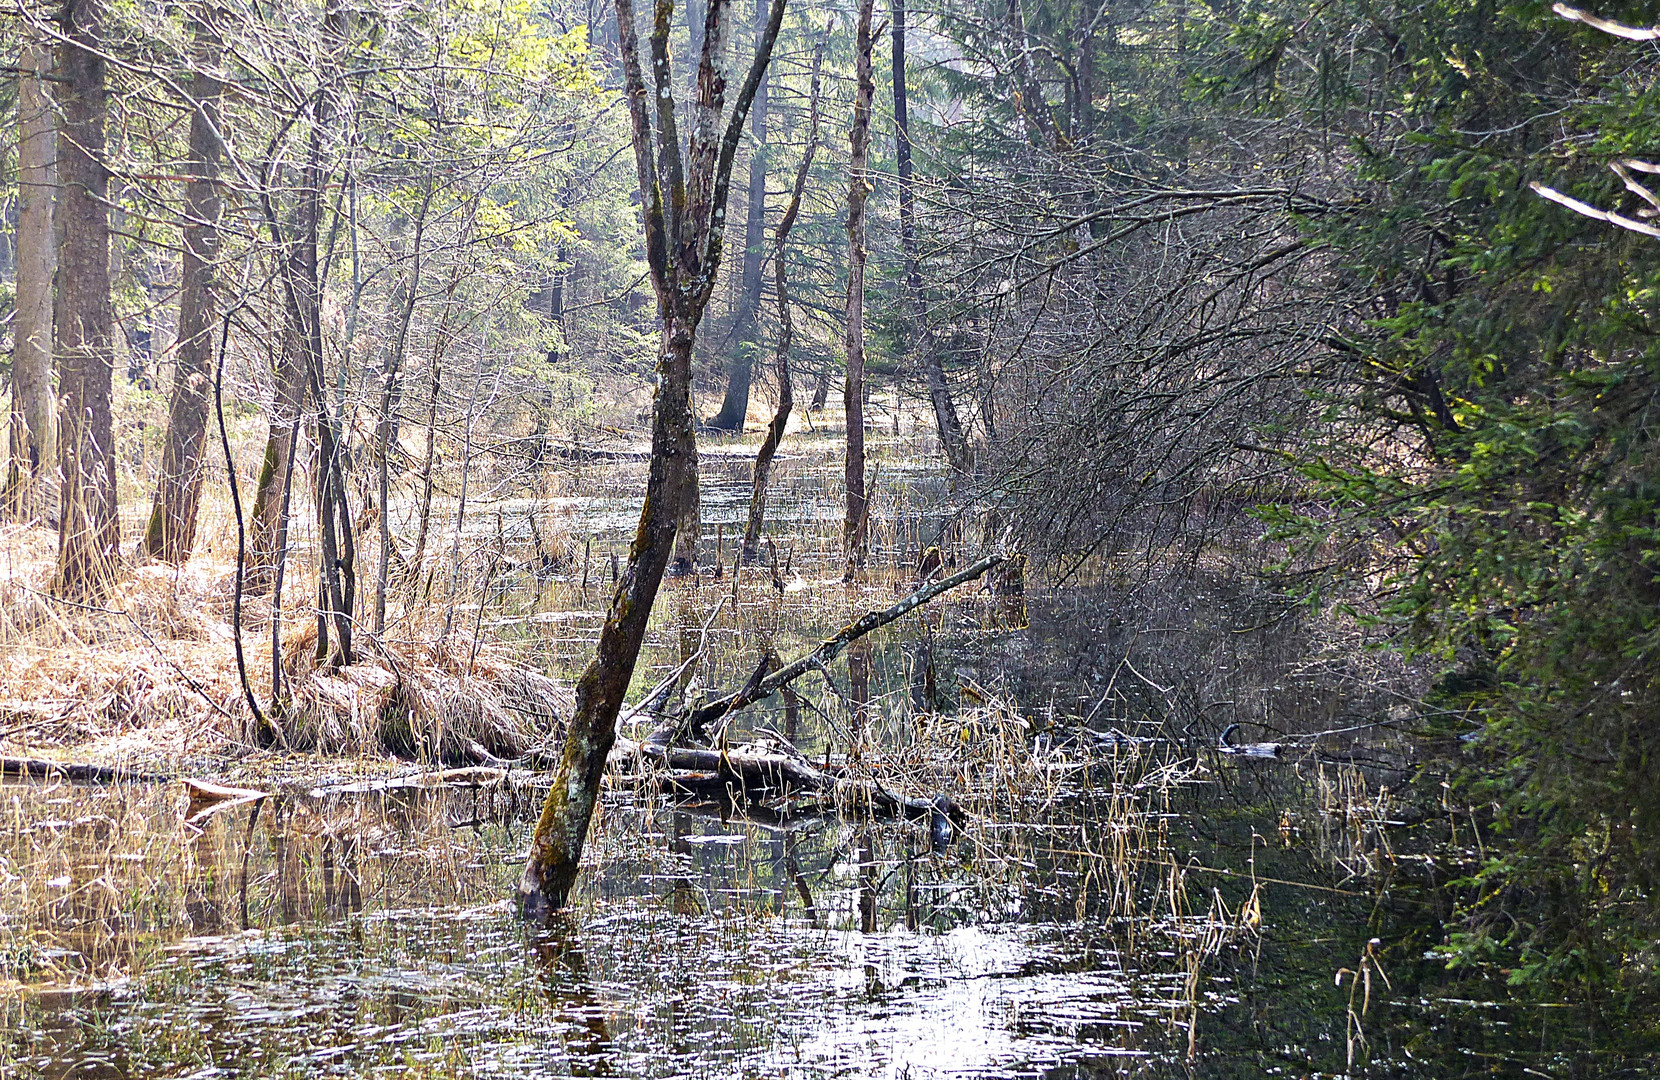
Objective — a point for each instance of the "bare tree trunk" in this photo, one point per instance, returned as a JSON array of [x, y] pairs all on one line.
[[269, 519], [404, 303], [88, 531], [440, 343], [34, 451], [683, 200], [854, 529], [917, 337], [786, 327], [741, 365], [171, 533]]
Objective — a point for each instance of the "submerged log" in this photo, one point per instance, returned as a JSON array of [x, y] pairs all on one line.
[[1226, 745], [207, 799]]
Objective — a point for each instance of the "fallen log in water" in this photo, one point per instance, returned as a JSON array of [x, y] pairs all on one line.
[[474, 776], [77, 771], [753, 776]]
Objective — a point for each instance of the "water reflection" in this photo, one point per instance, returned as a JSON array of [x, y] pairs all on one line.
[[1107, 911]]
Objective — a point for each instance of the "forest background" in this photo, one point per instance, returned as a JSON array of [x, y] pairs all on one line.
[[1377, 282]]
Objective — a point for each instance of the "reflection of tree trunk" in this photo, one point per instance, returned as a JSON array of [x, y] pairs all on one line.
[[172, 529], [34, 452], [570, 992], [867, 884], [89, 533], [735, 408], [786, 328], [858, 193], [917, 338], [793, 868]]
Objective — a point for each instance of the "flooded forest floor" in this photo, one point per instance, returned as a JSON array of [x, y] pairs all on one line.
[[1127, 894]]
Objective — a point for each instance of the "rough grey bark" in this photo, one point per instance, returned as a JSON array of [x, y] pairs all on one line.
[[34, 451], [916, 338], [786, 327], [171, 533], [741, 364], [856, 526], [683, 201], [88, 531], [403, 302]]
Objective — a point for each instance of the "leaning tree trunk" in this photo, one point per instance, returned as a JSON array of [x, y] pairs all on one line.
[[683, 203], [34, 451], [916, 337], [556, 847], [171, 533], [740, 371], [786, 327], [88, 531], [855, 528]]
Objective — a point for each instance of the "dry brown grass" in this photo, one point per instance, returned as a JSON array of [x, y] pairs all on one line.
[[150, 674]]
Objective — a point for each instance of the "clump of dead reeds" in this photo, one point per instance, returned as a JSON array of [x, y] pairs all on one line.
[[445, 702], [150, 672]]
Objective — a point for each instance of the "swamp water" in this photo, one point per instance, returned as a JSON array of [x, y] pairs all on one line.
[[1135, 906]]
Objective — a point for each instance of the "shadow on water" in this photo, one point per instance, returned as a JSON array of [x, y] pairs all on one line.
[[1123, 900]]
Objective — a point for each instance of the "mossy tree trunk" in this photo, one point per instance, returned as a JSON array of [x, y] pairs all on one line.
[[683, 203]]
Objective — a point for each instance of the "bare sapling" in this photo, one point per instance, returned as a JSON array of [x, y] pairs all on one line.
[[855, 528], [786, 326]]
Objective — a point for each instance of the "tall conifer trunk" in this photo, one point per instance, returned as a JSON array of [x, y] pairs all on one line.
[[915, 338], [171, 533], [741, 365], [34, 448], [88, 531]]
